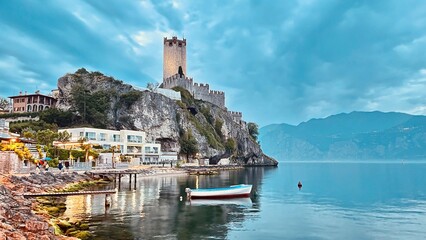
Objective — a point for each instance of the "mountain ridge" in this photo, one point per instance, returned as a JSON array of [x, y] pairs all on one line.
[[355, 135]]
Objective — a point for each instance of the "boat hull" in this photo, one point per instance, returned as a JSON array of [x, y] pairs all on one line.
[[236, 191]]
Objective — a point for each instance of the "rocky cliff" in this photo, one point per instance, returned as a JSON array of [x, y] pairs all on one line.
[[164, 120]]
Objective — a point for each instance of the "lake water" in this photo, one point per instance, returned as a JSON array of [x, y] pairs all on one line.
[[337, 201]]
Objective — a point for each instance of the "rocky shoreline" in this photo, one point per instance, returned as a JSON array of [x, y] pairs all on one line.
[[18, 217]]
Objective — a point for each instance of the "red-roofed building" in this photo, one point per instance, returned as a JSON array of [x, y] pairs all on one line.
[[32, 102]]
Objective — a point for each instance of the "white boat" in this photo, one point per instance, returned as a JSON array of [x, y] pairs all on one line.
[[234, 191]]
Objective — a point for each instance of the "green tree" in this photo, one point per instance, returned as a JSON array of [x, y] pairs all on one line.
[[92, 107], [86, 147], [28, 133], [188, 144], [20, 127], [253, 130], [82, 71], [127, 99], [57, 116], [230, 146], [64, 136], [46, 137], [218, 127]]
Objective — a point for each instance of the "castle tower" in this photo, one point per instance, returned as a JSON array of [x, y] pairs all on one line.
[[174, 56]]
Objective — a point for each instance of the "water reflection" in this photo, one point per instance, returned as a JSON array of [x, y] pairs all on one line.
[[154, 209], [245, 202], [337, 201]]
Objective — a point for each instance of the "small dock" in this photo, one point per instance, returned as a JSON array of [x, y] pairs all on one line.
[[118, 175], [59, 194]]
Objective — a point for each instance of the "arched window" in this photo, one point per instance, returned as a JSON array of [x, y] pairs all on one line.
[[40, 108], [29, 108]]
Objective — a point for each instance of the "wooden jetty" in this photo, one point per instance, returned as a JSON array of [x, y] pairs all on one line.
[[118, 175], [58, 194]]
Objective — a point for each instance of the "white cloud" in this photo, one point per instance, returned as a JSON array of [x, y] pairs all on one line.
[[145, 38]]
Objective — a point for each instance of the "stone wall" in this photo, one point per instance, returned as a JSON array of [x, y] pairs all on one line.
[[236, 116], [9, 163], [199, 91], [177, 81]]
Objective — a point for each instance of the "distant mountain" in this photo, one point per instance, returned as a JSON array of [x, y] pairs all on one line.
[[348, 136]]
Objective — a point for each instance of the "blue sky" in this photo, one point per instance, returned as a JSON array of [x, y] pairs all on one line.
[[277, 61]]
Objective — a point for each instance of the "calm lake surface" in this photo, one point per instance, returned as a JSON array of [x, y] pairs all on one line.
[[337, 201]]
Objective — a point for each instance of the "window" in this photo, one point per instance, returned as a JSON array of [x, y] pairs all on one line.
[[147, 150], [81, 134], [90, 136], [102, 136], [134, 139], [116, 138], [155, 149]]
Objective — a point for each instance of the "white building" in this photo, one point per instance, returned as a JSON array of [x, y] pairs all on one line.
[[128, 142]]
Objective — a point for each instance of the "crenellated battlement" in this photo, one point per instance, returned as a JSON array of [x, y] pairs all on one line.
[[239, 114], [175, 40], [200, 91], [236, 116], [217, 92]]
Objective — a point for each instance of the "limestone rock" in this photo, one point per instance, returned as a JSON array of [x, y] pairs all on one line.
[[157, 115]]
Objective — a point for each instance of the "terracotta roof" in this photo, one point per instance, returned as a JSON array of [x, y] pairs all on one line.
[[34, 94]]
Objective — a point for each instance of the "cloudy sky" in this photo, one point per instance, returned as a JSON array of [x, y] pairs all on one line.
[[277, 61]]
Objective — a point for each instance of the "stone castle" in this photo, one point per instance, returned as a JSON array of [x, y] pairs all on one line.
[[174, 75]]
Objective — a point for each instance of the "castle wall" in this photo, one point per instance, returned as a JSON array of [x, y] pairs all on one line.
[[178, 81], [174, 56], [217, 97], [199, 91], [236, 116]]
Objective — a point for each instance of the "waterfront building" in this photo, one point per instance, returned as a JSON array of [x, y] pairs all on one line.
[[32, 102], [127, 142]]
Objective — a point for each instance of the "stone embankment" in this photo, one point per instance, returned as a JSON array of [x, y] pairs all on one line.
[[17, 218], [210, 170]]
